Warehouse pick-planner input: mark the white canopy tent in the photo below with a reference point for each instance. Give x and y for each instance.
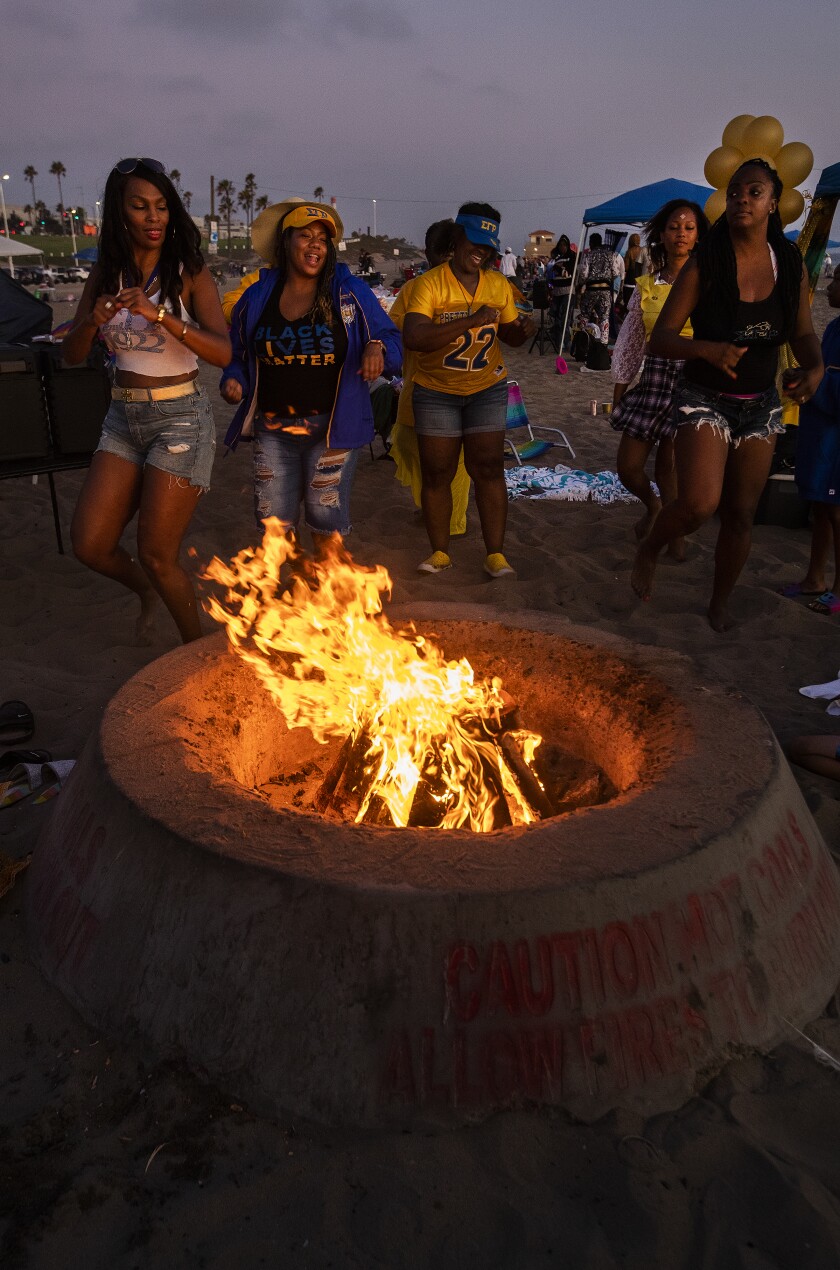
(16, 247)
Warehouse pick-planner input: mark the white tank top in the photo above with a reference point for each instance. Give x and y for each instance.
(145, 348)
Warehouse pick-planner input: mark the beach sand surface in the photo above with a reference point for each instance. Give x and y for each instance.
(110, 1159)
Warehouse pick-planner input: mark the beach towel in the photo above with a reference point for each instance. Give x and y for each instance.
(570, 484)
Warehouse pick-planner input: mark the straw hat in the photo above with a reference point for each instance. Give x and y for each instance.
(264, 228)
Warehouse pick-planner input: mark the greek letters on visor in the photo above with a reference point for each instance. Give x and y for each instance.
(480, 230)
(310, 214)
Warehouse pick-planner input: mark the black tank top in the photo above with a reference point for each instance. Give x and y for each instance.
(758, 325)
(299, 362)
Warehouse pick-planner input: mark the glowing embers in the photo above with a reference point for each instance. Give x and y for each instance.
(411, 738)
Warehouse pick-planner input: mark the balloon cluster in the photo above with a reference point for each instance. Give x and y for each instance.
(750, 137)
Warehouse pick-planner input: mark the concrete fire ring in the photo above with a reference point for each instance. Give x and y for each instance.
(616, 956)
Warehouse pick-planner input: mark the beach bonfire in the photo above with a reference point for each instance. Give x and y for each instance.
(409, 738)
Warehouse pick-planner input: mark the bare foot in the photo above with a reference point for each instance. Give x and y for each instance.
(720, 619)
(676, 549)
(644, 567)
(145, 625)
(643, 527)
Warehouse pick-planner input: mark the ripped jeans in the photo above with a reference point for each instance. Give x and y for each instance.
(176, 436)
(292, 466)
(735, 418)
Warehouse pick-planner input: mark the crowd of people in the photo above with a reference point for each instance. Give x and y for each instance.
(705, 309)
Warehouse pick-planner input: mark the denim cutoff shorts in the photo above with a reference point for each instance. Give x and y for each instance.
(736, 418)
(177, 436)
(447, 414)
(292, 467)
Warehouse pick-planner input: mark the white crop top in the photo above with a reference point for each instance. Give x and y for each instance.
(146, 348)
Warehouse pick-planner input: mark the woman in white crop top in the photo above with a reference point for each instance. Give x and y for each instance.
(151, 299)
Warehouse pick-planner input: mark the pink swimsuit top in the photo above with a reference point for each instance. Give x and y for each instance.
(145, 348)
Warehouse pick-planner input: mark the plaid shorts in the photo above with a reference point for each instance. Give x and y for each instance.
(645, 411)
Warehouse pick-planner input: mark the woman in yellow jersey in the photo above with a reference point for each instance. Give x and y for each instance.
(458, 312)
(643, 415)
(404, 450)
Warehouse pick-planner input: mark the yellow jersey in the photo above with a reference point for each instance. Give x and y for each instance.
(652, 295)
(473, 361)
(397, 312)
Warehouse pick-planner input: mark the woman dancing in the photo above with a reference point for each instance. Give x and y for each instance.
(457, 314)
(152, 300)
(643, 415)
(746, 294)
(308, 337)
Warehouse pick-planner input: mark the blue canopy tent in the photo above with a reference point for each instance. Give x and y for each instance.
(636, 207)
(89, 255)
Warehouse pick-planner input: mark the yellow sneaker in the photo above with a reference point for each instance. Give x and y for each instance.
(436, 563)
(498, 567)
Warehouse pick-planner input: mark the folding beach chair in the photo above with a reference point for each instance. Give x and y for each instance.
(517, 418)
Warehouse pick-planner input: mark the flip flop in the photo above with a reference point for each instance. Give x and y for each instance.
(16, 721)
(43, 779)
(828, 603)
(13, 757)
(793, 589)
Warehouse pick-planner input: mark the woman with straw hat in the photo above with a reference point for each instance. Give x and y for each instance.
(308, 338)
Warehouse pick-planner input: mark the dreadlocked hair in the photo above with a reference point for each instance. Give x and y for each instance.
(181, 245)
(322, 306)
(718, 268)
(656, 226)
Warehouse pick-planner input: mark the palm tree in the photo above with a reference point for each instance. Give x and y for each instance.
(225, 191)
(29, 213)
(58, 170)
(318, 192)
(245, 198)
(30, 174)
(186, 199)
(175, 178)
(261, 203)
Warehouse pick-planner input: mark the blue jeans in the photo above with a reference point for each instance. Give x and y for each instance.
(176, 436)
(448, 414)
(291, 466)
(735, 418)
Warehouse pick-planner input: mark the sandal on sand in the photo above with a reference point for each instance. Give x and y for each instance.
(43, 779)
(828, 603)
(792, 589)
(13, 757)
(16, 721)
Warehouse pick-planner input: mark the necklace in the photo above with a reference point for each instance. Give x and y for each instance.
(469, 298)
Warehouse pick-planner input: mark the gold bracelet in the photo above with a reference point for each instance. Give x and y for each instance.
(183, 334)
(161, 314)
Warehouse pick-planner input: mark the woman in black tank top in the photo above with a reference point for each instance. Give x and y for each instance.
(746, 294)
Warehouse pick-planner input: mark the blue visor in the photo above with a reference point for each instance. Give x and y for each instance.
(480, 230)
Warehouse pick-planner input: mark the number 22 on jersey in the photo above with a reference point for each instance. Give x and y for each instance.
(472, 350)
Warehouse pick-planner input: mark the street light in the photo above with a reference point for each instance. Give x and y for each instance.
(5, 221)
(374, 217)
(98, 215)
(73, 231)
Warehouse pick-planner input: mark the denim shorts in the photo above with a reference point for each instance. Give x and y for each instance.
(291, 468)
(447, 414)
(736, 418)
(176, 436)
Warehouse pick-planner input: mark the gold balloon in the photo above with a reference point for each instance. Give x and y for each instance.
(791, 206)
(793, 163)
(765, 135)
(734, 130)
(721, 163)
(715, 205)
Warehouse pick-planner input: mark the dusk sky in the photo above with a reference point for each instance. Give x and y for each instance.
(540, 108)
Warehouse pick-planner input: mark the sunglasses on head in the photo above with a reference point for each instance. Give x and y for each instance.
(126, 166)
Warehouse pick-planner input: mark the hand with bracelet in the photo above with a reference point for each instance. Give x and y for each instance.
(373, 361)
(137, 301)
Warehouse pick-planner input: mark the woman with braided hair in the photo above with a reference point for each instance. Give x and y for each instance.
(746, 294)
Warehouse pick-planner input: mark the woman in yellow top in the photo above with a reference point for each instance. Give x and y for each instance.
(643, 415)
(458, 312)
(404, 450)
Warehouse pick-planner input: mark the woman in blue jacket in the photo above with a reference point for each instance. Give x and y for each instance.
(307, 339)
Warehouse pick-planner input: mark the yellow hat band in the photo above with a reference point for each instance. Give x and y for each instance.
(310, 214)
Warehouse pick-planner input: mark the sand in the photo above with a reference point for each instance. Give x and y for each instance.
(110, 1159)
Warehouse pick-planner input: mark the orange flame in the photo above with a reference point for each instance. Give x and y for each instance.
(318, 639)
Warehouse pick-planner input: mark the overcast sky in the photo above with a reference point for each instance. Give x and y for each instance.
(539, 107)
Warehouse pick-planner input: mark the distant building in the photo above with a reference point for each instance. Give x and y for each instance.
(540, 243)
